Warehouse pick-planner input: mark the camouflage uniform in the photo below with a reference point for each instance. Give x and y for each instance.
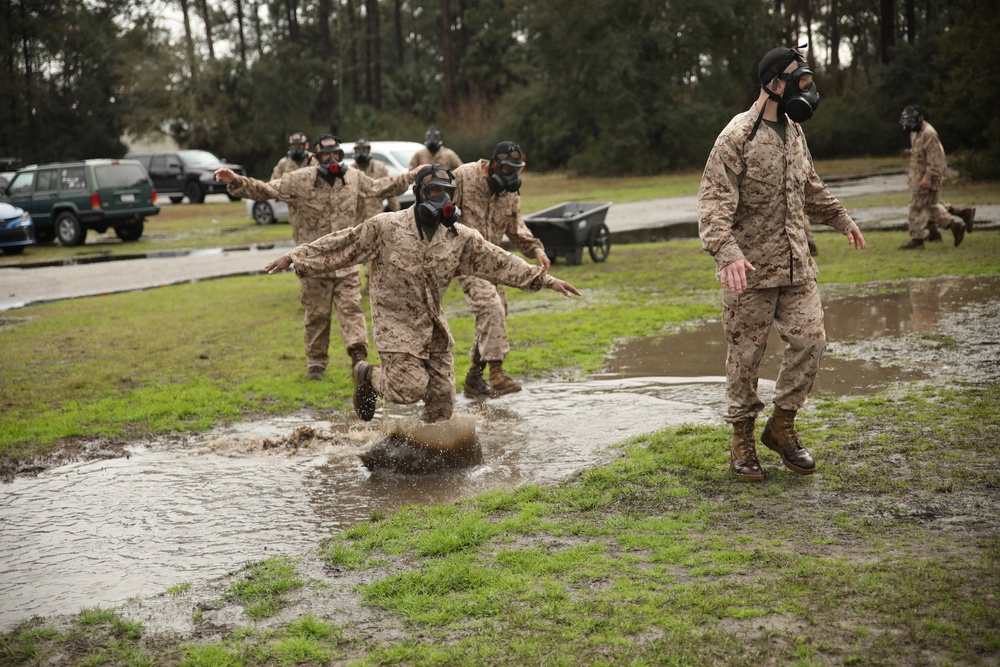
(493, 216)
(753, 204)
(409, 278)
(321, 208)
(373, 205)
(287, 164)
(926, 161)
(445, 157)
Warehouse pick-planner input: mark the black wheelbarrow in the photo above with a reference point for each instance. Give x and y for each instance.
(566, 228)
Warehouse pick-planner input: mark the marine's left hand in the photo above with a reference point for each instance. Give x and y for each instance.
(564, 288)
(278, 265)
(543, 259)
(855, 238)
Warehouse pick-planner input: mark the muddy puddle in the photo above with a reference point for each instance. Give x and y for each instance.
(97, 533)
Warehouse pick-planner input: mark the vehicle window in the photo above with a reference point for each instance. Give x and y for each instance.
(158, 163)
(404, 156)
(47, 180)
(120, 176)
(384, 159)
(73, 178)
(199, 158)
(143, 159)
(173, 162)
(22, 183)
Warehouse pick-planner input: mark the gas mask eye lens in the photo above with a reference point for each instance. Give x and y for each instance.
(805, 80)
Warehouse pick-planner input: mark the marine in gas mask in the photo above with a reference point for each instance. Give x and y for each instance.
(757, 195)
(434, 151)
(489, 192)
(297, 157)
(373, 169)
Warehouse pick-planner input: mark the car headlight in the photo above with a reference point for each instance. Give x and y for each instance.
(24, 220)
(207, 176)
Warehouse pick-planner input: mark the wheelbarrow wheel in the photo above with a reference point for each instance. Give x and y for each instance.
(600, 242)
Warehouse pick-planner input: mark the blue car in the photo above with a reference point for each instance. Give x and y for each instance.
(17, 229)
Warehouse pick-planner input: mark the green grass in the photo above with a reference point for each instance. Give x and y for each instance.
(263, 588)
(659, 558)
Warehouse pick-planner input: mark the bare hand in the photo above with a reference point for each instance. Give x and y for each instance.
(225, 175)
(543, 260)
(564, 288)
(278, 265)
(855, 238)
(925, 183)
(734, 275)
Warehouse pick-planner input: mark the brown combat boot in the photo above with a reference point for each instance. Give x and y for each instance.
(969, 216)
(315, 372)
(500, 382)
(357, 353)
(364, 392)
(475, 385)
(933, 235)
(813, 249)
(780, 435)
(917, 244)
(743, 453)
(958, 229)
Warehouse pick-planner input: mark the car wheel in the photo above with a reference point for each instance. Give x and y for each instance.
(233, 197)
(130, 232)
(263, 213)
(194, 193)
(176, 199)
(69, 230)
(14, 250)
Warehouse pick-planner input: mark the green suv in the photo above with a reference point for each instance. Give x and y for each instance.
(68, 198)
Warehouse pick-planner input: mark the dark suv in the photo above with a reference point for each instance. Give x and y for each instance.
(68, 198)
(188, 173)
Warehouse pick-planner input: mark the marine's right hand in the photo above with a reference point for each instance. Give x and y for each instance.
(734, 275)
(225, 175)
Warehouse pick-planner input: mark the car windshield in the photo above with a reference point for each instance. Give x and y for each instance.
(121, 176)
(199, 158)
(404, 155)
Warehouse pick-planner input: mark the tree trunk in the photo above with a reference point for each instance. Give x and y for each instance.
(463, 45)
(368, 52)
(909, 7)
(208, 28)
(375, 53)
(189, 40)
(835, 42)
(326, 53)
(242, 37)
(291, 11)
(887, 16)
(29, 82)
(352, 51)
(449, 60)
(399, 33)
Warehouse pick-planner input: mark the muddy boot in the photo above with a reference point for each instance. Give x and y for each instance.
(364, 392)
(933, 235)
(315, 372)
(969, 216)
(914, 244)
(475, 385)
(500, 382)
(357, 353)
(780, 435)
(958, 229)
(743, 453)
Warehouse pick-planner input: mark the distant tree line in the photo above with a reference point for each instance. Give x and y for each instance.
(593, 86)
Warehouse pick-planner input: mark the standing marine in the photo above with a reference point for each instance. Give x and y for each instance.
(434, 150)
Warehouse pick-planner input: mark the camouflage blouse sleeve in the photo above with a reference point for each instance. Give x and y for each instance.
(347, 247)
(718, 198)
(387, 186)
(483, 259)
(283, 188)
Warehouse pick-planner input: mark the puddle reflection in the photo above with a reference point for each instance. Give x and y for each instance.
(99, 532)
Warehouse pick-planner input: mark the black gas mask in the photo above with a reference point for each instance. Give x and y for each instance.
(362, 153)
(433, 140)
(331, 166)
(297, 147)
(911, 119)
(505, 168)
(800, 98)
(433, 204)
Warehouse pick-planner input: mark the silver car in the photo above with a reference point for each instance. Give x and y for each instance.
(396, 155)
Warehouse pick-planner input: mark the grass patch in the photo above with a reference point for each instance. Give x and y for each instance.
(263, 587)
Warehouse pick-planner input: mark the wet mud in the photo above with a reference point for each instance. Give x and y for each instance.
(134, 519)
